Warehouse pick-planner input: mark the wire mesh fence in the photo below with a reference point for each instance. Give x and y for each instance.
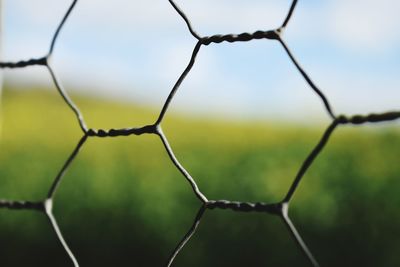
(280, 209)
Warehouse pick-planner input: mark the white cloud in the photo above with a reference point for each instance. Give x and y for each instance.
(221, 15)
(366, 25)
(354, 25)
(38, 12)
(227, 16)
(357, 93)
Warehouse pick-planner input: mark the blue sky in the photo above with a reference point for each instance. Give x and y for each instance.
(135, 50)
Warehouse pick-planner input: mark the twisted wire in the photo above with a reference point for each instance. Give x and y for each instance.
(280, 209)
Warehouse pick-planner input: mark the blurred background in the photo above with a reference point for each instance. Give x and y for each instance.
(242, 123)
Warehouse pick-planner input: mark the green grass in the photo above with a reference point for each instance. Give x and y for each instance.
(122, 202)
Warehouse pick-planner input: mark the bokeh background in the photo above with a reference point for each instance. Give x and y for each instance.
(242, 123)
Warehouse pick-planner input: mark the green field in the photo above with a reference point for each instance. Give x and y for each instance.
(123, 203)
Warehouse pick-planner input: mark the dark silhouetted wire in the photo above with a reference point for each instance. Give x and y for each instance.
(280, 209)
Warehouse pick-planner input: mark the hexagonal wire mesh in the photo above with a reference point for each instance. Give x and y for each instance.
(278, 209)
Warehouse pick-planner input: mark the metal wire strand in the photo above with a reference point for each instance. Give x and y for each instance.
(49, 212)
(289, 15)
(187, 236)
(185, 18)
(61, 25)
(24, 63)
(296, 236)
(67, 99)
(60, 175)
(179, 82)
(179, 166)
(21, 205)
(308, 79)
(309, 160)
(275, 209)
(43, 60)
